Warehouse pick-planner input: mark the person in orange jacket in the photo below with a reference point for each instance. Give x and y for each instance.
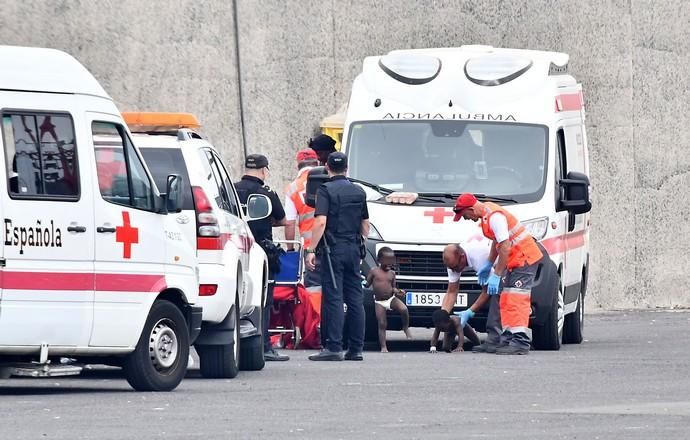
(510, 271)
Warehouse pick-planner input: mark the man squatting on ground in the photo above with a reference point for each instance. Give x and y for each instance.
(512, 265)
(472, 254)
(386, 295)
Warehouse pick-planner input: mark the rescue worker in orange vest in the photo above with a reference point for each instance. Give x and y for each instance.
(299, 215)
(509, 273)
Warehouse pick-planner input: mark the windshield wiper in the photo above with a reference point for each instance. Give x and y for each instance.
(386, 191)
(379, 189)
(482, 197)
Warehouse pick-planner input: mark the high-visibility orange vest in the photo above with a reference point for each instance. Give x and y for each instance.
(305, 214)
(524, 249)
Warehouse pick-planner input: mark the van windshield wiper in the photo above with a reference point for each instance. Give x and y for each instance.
(481, 197)
(380, 189)
(386, 191)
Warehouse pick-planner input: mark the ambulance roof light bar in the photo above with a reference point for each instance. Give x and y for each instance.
(495, 69)
(410, 68)
(157, 122)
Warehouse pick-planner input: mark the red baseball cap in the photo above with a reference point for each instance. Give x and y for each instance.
(463, 202)
(306, 154)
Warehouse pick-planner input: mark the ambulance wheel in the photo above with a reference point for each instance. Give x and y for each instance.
(252, 354)
(222, 361)
(159, 361)
(574, 323)
(548, 335)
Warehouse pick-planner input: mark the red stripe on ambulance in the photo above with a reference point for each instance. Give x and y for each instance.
(102, 282)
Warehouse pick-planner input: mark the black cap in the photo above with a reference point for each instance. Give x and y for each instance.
(256, 162)
(337, 162)
(322, 142)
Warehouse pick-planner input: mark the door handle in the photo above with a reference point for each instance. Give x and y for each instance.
(76, 228)
(104, 229)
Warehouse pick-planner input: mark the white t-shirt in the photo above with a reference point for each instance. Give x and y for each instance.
(499, 226)
(290, 209)
(477, 249)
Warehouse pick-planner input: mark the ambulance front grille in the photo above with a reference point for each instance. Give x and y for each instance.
(420, 263)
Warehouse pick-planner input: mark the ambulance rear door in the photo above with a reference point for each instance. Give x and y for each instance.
(130, 236)
(47, 212)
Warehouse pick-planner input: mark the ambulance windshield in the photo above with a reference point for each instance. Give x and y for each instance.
(494, 158)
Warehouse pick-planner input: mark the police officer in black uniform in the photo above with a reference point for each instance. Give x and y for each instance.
(341, 221)
(255, 173)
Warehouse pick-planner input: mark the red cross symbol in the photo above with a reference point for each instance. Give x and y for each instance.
(127, 235)
(439, 214)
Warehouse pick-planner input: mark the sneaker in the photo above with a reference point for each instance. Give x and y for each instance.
(273, 355)
(484, 347)
(354, 356)
(327, 355)
(512, 349)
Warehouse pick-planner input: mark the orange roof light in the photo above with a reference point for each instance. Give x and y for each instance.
(159, 121)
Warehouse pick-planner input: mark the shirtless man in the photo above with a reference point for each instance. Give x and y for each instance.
(386, 295)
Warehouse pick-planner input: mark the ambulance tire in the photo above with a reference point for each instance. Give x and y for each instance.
(222, 361)
(252, 354)
(547, 335)
(146, 372)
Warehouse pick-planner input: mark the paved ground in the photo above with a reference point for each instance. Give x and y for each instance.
(628, 380)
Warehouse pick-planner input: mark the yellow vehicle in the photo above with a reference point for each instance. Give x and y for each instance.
(333, 125)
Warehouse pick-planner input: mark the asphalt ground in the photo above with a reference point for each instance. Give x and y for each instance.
(628, 380)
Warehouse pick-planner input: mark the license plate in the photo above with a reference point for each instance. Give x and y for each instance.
(432, 299)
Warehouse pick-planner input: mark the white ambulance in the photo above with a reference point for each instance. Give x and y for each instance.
(92, 267)
(507, 125)
(233, 269)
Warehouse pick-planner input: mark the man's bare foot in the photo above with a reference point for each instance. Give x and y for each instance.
(408, 333)
(384, 350)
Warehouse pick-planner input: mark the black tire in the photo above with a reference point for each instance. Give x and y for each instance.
(574, 323)
(547, 336)
(252, 354)
(147, 369)
(222, 361)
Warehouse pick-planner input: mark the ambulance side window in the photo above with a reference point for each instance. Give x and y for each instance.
(122, 178)
(561, 169)
(233, 206)
(41, 156)
(224, 198)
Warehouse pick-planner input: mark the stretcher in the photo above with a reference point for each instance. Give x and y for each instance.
(295, 315)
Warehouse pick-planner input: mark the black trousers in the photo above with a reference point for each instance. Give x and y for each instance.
(348, 289)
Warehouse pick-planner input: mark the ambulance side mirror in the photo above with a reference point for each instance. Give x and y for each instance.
(173, 193)
(316, 177)
(575, 193)
(258, 207)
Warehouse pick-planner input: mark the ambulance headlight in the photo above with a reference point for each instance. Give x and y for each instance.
(494, 70)
(374, 233)
(537, 227)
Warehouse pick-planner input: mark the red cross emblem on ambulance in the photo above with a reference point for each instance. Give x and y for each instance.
(127, 235)
(438, 214)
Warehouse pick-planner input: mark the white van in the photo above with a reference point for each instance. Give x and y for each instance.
(92, 267)
(233, 269)
(507, 125)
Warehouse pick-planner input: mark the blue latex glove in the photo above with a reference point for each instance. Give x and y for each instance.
(494, 281)
(465, 316)
(483, 273)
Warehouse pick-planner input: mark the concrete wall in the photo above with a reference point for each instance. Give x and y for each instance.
(298, 58)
